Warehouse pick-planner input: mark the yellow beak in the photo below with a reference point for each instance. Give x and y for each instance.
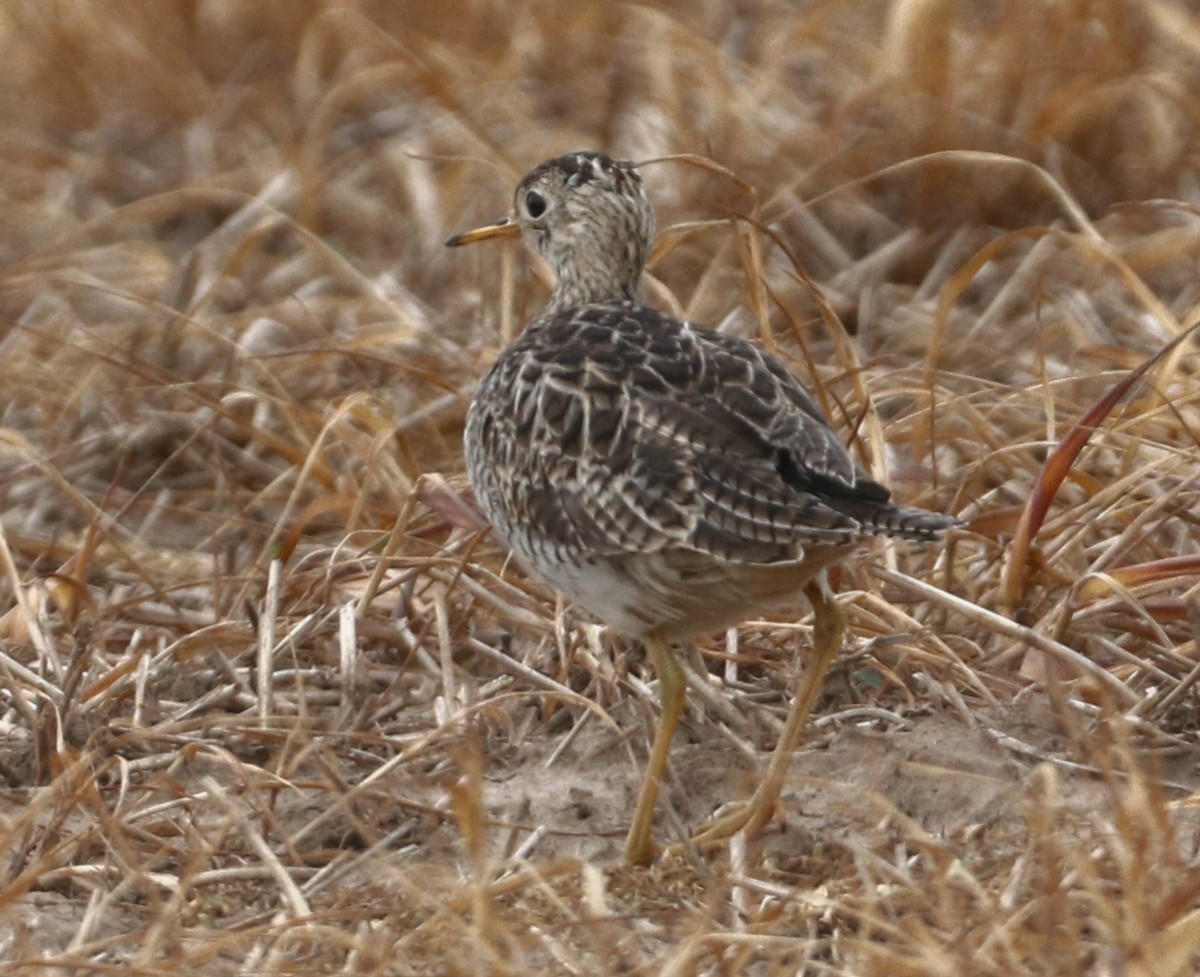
(504, 227)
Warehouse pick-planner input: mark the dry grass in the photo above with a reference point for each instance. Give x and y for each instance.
(271, 706)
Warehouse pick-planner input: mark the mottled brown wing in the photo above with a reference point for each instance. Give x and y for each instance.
(637, 433)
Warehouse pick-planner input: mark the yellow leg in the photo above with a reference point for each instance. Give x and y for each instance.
(829, 626)
(672, 689)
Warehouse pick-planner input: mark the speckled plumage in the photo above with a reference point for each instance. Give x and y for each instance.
(611, 440)
(672, 480)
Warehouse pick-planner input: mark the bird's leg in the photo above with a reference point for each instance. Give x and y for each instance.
(672, 689)
(829, 626)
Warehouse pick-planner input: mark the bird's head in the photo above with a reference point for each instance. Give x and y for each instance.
(588, 216)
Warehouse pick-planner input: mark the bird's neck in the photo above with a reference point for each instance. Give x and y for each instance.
(596, 270)
(571, 293)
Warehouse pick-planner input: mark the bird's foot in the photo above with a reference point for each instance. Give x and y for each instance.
(747, 818)
(640, 848)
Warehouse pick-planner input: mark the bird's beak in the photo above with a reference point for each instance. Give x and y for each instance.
(504, 227)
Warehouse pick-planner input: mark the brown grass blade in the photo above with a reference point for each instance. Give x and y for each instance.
(1058, 465)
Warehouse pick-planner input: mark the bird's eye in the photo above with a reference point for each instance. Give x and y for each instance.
(535, 204)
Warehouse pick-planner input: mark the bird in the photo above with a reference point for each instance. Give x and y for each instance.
(672, 480)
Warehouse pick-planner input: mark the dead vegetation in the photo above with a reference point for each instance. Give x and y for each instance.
(270, 705)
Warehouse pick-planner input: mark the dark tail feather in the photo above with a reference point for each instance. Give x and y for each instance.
(901, 521)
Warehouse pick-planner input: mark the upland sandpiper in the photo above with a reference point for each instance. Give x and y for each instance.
(672, 480)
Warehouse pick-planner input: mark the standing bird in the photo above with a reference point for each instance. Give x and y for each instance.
(671, 480)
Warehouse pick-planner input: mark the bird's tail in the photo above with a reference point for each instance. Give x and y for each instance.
(901, 521)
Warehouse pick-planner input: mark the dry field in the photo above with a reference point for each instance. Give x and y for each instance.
(270, 703)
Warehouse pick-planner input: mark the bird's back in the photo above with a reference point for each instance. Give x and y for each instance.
(612, 441)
